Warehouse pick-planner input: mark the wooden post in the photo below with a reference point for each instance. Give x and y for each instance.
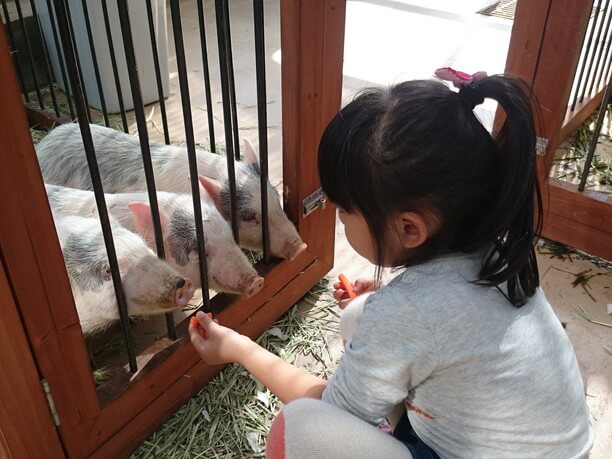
(312, 37)
(26, 428)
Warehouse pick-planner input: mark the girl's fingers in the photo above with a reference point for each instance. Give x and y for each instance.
(339, 294)
(195, 334)
(344, 303)
(205, 319)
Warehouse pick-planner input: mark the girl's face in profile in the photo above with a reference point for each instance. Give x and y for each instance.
(358, 234)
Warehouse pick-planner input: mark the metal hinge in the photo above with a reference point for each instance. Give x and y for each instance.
(541, 146)
(316, 200)
(50, 402)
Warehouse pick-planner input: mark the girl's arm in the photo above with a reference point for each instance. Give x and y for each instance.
(218, 345)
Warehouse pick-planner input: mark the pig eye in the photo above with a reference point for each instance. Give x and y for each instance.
(247, 215)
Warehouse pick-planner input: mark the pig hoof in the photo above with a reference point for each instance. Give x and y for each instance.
(253, 287)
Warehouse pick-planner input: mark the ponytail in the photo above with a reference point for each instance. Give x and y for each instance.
(519, 204)
(418, 146)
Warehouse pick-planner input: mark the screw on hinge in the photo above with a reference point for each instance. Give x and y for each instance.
(50, 401)
(316, 200)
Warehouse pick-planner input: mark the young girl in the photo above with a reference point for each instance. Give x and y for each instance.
(464, 338)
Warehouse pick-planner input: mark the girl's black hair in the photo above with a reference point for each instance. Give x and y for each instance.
(418, 146)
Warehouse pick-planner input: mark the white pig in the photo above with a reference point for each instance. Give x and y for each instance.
(229, 269)
(151, 286)
(62, 160)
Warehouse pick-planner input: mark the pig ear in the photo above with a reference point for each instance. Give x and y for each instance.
(211, 187)
(250, 155)
(143, 221)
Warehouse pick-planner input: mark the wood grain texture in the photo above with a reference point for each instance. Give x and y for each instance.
(565, 30)
(312, 37)
(34, 264)
(26, 428)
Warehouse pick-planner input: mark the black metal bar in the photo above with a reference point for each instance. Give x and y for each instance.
(77, 58)
(227, 114)
(594, 52)
(207, 91)
(593, 145)
(14, 51)
(26, 37)
(606, 59)
(94, 58)
(585, 55)
(262, 120)
(231, 79)
(111, 50)
(61, 61)
(79, 100)
(181, 65)
(143, 135)
(46, 56)
(158, 80)
(601, 47)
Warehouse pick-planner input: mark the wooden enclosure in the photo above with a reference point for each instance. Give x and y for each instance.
(545, 46)
(40, 329)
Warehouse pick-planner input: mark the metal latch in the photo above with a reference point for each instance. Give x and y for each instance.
(541, 146)
(50, 401)
(316, 200)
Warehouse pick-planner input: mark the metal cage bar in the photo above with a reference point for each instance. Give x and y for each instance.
(608, 21)
(14, 51)
(94, 58)
(158, 80)
(62, 62)
(70, 26)
(231, 80)
(177, 29)
(46, 57)
(594, 51)
(143, 135)
(593, 145)
(41, 102)
(79, 100)
(111, 49)
(206, 71)
(585, 56)
(262, 123)
(222, 20)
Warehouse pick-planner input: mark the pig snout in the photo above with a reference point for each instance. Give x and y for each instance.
(293, 249)
(184, 291)
(252, 285)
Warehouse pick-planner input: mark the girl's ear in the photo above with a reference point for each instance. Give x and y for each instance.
(413, 229)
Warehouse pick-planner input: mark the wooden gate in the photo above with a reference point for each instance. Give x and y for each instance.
(42, 339)
(546, 43)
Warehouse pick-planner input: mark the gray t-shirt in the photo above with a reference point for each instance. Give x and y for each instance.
(479, 377)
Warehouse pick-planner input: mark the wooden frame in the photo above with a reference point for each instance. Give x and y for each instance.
(545, 45)
(312, 41)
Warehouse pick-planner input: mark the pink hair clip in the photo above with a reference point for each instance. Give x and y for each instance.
(459, 79)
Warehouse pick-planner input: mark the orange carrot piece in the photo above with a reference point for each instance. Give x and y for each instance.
(348, 287)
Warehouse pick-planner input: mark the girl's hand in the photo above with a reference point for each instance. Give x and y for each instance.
(360, 286)
(215, 343)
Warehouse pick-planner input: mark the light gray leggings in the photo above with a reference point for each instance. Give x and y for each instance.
(313, 429)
